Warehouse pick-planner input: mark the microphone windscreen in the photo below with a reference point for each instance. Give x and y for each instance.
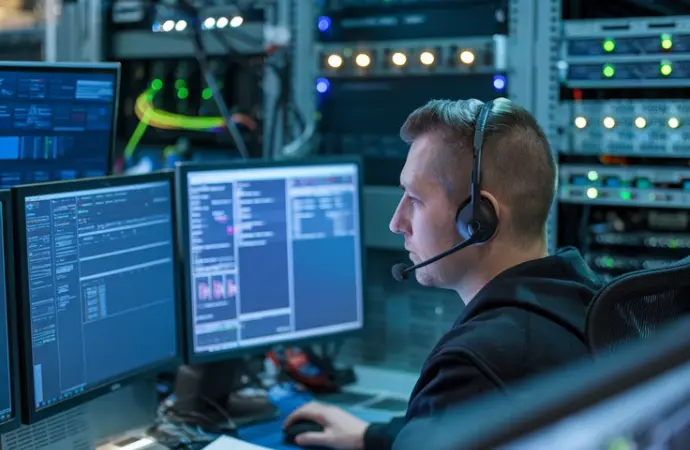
(398, 271)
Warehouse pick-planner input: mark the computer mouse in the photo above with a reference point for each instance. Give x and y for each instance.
(299, 427)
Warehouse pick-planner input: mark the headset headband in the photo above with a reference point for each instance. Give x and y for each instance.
(475, 180)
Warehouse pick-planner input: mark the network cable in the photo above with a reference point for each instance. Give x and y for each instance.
(149, 115)
(145, 110)
(283, 98)
(202, 60)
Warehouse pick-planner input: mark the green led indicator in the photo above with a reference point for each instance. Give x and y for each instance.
(608, 45)
(183, 93)
(157, 84)
(666, 41)
(206, 94)
(665, 69)
(179, 84)
(592, 193)
(592, 175)
(626, 195)
(608, 71)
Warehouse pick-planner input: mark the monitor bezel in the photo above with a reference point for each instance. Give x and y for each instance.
(108, 68)
(182, 170)
(11, 311)
(31, 415)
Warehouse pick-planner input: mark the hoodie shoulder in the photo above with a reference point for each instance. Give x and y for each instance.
(498, 334)
(527, 320)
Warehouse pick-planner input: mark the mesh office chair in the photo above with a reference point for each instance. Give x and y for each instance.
(636, 305)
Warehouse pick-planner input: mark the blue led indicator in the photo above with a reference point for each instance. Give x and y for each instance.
(499, 82)
(323, 23)
(322, 85)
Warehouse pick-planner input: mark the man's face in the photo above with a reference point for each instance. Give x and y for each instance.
(426, 216)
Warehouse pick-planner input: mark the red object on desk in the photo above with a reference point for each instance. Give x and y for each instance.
(306, 369)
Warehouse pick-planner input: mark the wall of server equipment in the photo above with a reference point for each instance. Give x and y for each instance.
(22, 35)
(623, 149)
(376, 63)
(164, 81)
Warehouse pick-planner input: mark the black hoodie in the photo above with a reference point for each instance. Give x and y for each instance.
(527, 320)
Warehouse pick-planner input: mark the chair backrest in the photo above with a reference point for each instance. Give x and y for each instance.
(636, 305)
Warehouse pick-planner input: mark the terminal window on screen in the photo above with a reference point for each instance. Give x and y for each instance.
(5, 386)
(54, 125)
(275, 255)
(101, 270)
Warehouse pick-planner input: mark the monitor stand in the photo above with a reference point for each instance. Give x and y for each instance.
(214, 392)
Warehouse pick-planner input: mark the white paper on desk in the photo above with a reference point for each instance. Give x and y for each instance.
(230, 443)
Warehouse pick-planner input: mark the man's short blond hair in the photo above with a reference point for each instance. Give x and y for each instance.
(518, 166)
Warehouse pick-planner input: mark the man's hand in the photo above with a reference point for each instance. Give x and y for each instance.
(341, 430)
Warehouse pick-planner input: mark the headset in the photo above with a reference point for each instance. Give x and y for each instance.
(476, 219)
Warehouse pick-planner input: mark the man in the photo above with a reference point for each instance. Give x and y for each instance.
(525, 310)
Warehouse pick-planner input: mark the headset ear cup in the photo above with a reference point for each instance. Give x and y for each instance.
(463, 218)
(488, 220)
(481, 228)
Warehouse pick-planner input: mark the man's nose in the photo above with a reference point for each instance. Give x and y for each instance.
(396, 224)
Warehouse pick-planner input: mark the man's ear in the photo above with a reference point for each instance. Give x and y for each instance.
(494, 202)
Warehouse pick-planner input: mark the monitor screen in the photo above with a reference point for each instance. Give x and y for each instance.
(57, 121)
(98, 283)
(7, 392)
(274, 254)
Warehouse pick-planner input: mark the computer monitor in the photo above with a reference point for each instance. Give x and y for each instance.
(57, 121)
(637, 397)
(272, 252)
(650, 416)
(98, 290)
(9, 345)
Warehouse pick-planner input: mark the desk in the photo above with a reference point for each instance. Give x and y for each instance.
(371, 380)
(375, 383)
